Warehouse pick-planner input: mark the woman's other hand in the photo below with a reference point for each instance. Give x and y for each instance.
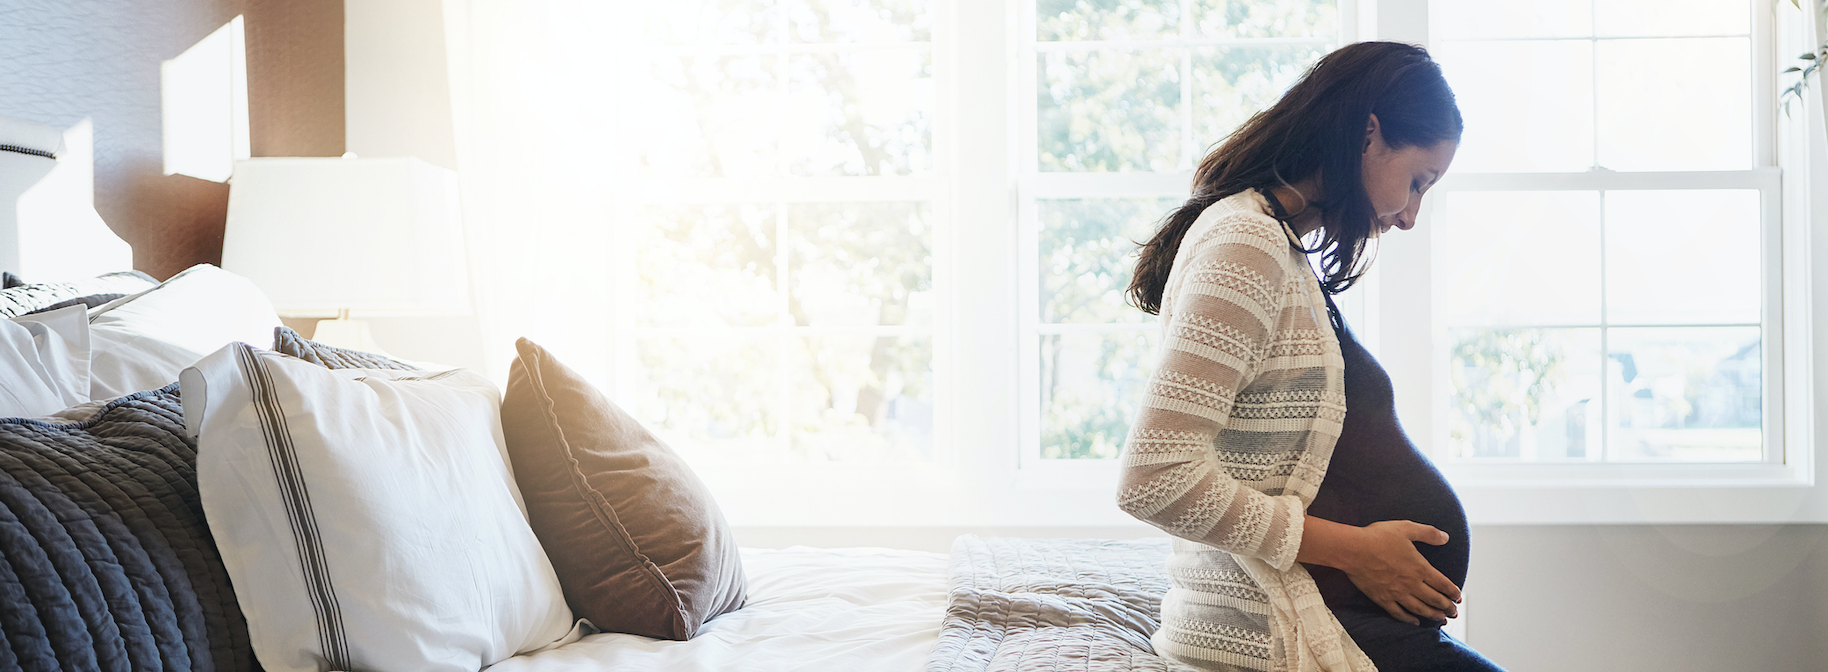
(1389, 570)
(1381, 560)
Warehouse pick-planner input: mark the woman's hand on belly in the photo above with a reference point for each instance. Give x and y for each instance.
(1381, 559)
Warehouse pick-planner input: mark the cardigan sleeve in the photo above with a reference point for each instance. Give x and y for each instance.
(1219, 329)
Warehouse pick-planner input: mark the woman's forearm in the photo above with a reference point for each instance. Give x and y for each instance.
(1329, 544)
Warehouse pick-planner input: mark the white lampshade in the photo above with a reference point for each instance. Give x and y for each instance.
(374, 236)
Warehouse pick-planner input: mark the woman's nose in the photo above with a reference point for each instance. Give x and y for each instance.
(1405, 220)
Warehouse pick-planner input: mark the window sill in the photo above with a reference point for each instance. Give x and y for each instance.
(1623, 475)
(1551, 494)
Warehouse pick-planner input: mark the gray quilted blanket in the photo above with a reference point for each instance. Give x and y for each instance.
(106, 562)
(1053, 605)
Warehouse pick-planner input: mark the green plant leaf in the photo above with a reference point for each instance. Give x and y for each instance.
(1808, 56)
(1793, 70)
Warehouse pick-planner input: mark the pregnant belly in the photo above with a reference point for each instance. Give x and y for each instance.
(1376, 474)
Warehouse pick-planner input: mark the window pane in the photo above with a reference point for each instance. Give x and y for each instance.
(710, 22)
(1091, 387)
(1470, 20)
(1530, 394)
(1231, 84)
(1502, 88)
(710, 396)
(1106, 19)
(1109, 111)
(860, 264)
(1682, 257)
(1670, 18)
(859, 113)
(1265, 18)
(862, 398)
(706, 266)
(707, 117)
(1087, 250)
(862, 21)
(1685, 394)
(1517, 258)
(1681, 104)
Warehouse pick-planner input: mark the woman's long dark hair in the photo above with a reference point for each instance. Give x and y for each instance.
(1318, 128)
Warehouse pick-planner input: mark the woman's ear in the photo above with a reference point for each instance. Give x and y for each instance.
(1371, 130)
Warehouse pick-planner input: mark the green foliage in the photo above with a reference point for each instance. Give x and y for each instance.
(1091, 387)
(1106, 111)
(1112, 108)
(738, 279)
(706, 266)
(1286, 18)
(1127, 108)
(1810, 62)
(1090, 383)
(1106, 19)
(878, 253)
(719, 391)
(1499, 377)
(1087, 248)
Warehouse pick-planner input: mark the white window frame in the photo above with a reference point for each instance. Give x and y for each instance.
(1617, 492)
(1395, 319)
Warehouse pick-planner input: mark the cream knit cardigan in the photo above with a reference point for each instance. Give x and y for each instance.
(1232, 442)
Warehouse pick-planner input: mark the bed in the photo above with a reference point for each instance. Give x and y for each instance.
(113, 507)
(139, 489)
(808, 609)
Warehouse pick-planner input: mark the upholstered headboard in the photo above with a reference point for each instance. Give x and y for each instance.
(48, 227)
(28, 152)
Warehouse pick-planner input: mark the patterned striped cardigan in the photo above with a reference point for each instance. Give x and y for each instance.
(1232, 442)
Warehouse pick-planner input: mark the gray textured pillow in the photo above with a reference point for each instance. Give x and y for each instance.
(27, 298)
(288, 342)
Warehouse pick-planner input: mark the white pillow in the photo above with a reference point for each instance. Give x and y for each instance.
(141, 342)
(366, 517)
(44, 362)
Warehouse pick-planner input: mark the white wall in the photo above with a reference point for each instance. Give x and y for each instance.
(1663, 598)
(397, 86)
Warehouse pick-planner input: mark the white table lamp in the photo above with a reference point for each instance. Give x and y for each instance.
(339, 235)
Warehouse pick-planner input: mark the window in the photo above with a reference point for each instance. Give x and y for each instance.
(776, 257)
(1634, 314)
(1127, 97)
(881, 245)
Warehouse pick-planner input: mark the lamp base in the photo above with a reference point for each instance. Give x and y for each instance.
(348, 334)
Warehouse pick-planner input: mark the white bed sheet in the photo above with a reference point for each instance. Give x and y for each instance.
(812, 609)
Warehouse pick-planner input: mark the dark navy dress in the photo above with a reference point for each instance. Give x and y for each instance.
(1376, 474)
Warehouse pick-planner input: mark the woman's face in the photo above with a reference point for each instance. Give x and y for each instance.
(1395, 179)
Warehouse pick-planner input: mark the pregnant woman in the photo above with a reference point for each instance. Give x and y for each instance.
(1267, 443)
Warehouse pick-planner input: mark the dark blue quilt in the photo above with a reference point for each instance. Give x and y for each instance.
(106, 562)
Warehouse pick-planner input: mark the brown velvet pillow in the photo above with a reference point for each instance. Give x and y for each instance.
(636, 539)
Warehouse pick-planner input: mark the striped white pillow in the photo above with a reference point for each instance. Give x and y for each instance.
(367, 517)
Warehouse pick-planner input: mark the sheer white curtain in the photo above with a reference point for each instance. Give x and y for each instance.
(532, 139)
